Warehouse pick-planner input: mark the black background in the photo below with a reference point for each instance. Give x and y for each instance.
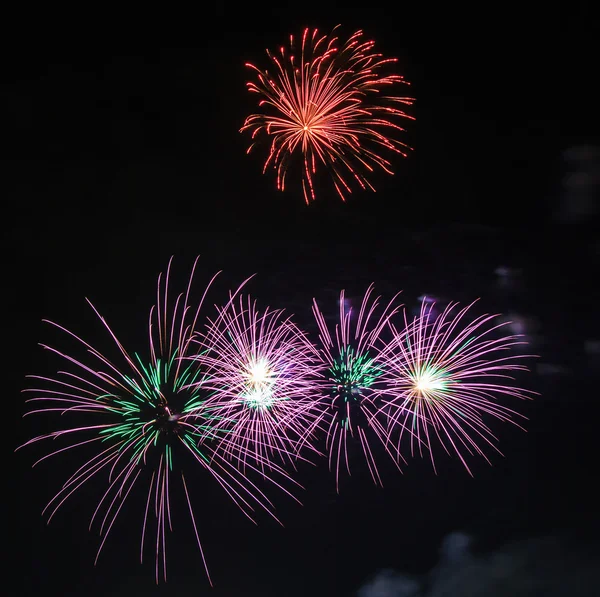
(126, 151)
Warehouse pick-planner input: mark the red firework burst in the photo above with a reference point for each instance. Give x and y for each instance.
(328, 104)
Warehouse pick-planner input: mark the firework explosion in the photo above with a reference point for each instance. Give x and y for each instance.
(244, 393)
(354, 356)
(443, 376)
(327, 103)
(142, 418)
(260, 372)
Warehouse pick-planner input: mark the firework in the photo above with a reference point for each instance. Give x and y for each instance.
(328, 104)
(260, 371)
(354, 356)
(445, 375)
(144, 418)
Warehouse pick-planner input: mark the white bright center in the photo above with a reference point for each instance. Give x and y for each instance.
(259, 374)
(428, 382)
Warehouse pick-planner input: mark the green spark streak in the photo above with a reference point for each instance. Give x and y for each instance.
(169, 456)
(193, 445)
(140, 428)
(352, 374)
(259, 399)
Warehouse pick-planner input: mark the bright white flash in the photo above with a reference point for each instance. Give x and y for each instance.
(259, 387)
(428, 381)
(259, 374)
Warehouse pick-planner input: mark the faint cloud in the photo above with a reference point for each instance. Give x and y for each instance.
(389, 583)
(546, 566)
(581, 183)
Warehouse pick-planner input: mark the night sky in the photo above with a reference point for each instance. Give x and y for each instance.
(124, 149)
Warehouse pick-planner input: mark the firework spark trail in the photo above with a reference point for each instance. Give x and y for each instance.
(354, 357)
(261, 395)
(140, 415)
(328, 106)
(443, 377)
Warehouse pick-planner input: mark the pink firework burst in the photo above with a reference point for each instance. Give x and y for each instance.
(445, 376)
(328, 104)
(354, 356)
(142, 422)
(259, 383)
